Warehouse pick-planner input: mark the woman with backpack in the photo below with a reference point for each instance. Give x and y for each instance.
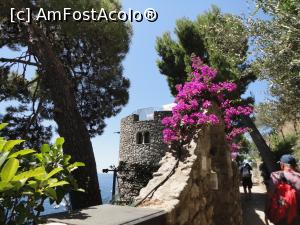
(283, 197)
(246, 177)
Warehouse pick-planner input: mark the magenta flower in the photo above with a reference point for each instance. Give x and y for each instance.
(206, 104)
(213, 119)
(194, 99)
(194, 104)
(169, 136)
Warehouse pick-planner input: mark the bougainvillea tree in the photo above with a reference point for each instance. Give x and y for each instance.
(192, 110)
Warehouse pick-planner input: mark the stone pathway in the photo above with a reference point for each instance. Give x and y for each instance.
(253, 209)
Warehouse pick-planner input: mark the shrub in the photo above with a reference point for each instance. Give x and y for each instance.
(192, 110)
(28, 177)
(284, 146)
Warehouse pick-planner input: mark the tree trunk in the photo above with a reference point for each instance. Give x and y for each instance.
(264, 150)
(70, 124)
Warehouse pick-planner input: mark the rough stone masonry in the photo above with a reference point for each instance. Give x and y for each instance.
(141, 149)
(200, 188)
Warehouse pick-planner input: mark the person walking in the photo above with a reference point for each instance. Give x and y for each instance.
(246, 176)
(283, 194)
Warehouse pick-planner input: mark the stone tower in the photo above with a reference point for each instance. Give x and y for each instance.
(141, 149)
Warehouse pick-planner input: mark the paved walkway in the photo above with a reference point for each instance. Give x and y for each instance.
(253, 209)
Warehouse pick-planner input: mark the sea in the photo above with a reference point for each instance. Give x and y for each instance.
(105, 181)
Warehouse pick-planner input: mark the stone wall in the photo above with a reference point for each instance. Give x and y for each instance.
(186, 194)
(199, 189)
(139, 160)
(227, 208)
(237, 213)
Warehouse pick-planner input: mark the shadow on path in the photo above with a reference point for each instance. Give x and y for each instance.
(253, 209)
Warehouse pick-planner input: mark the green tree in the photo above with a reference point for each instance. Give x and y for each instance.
(78, 81)
(277, 49)
(222, 42)
(219, 39)
(270, 116)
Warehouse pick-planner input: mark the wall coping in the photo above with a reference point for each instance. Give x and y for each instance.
(109, 215)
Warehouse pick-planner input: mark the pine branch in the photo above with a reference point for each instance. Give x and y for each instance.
(17, 60)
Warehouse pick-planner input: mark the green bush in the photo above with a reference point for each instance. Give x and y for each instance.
(284, 146)
(29, 177)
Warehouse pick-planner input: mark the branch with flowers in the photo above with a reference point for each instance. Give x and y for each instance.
(193, 101)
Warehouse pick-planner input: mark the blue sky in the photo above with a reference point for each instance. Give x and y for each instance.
(148, 87)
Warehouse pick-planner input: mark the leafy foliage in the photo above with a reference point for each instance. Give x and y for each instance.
(193, 109)
(276, 42)
(220, 40)
(29, 177)
(91, 53)
(268, 114)
(284, 146)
